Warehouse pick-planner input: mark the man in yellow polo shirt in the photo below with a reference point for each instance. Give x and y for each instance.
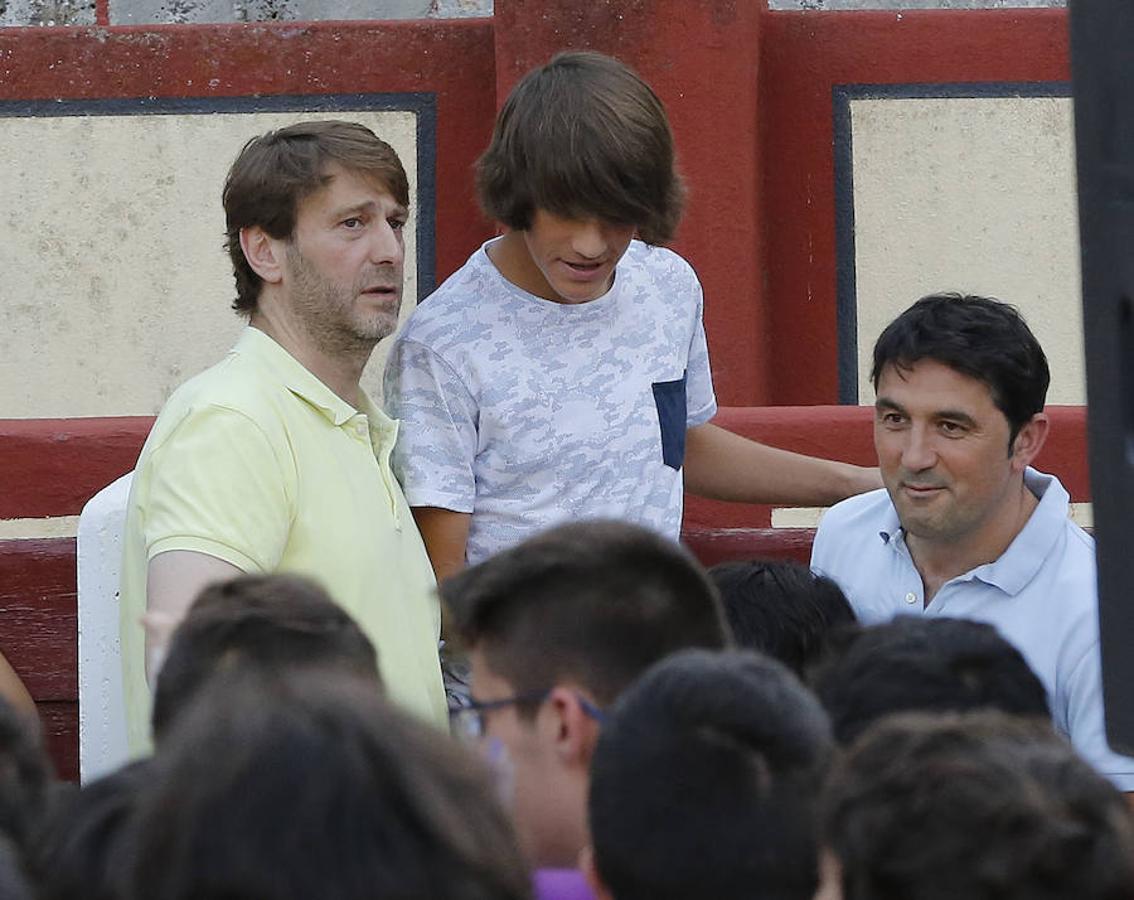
(275, 459)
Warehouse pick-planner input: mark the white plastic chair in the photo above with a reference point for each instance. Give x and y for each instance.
(102, 707)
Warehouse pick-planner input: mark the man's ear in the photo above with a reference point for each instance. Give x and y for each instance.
(1029, 441)
(576, 730)
(591, 874)
(264, 253)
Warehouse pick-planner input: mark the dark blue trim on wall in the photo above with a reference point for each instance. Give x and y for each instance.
(846, 288)
(423, 105)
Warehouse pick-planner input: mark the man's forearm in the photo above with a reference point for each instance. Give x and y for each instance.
(725, 466)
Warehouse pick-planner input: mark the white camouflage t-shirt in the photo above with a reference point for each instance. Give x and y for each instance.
(527, 413)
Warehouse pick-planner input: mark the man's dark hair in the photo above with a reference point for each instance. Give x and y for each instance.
(83, 851)
(983, 806)
(272, 623)
(931, 665)
(782, 608)
(979, 337)
(583, 137)
(595, 602)
(276, 171)
(704, 780)
(311, 785)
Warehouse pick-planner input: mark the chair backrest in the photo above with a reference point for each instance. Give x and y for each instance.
(102, 709)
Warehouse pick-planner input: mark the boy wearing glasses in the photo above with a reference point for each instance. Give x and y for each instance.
(556, 628)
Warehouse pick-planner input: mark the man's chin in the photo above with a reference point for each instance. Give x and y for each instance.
(375, 327)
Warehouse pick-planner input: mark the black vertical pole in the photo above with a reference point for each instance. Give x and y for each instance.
(1102, 64)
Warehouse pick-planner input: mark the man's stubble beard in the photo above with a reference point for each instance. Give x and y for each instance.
(329, 314)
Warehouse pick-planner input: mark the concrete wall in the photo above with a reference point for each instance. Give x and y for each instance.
(182, 12)
(117, 286)
(970, 194)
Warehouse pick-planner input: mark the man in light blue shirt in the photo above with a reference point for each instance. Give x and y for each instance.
(965, 527)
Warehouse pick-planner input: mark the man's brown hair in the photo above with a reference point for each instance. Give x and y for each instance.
(275, 171)
(583, 137)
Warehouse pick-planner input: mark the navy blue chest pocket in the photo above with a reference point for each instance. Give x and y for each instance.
(669, 397)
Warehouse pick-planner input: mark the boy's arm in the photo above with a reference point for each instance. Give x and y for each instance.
(446, 534)
(725, 466)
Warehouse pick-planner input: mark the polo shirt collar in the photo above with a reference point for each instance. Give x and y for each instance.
(298, 379)
(1018, 564)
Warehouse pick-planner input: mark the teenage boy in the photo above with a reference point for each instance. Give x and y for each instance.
(562, 372)
(556, 628)
(704, 783)
(980, 805)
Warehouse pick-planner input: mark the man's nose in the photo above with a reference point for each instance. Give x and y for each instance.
(386, 244)
(918, 453)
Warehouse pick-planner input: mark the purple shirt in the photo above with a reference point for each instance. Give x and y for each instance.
(561, 884)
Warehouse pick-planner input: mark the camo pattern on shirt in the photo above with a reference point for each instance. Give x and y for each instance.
(526, 412)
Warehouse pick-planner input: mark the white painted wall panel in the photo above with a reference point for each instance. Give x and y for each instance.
(116, 287)
(974, 195)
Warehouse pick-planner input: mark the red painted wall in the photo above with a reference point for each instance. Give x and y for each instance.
(804, 55)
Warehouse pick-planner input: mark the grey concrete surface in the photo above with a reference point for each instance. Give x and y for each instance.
(47, 12)
(181, 12)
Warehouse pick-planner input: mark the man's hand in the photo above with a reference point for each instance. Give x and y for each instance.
(446, 535)
(725, 466)
(173, 581)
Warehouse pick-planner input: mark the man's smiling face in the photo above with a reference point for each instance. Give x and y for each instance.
(943, 448)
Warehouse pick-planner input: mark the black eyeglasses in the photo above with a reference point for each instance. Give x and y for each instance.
(468, 722)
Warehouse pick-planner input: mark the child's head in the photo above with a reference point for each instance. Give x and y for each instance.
(268, 623)
(583, 137)
(780, 607)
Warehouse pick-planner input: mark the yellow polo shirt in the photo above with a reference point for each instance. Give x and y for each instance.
(258, 463)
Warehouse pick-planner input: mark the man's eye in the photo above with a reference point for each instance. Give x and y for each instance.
(352, 222)
(952, 428)
(397, 224)
(892, 418)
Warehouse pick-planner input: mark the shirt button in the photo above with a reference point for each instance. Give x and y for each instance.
(911, 598)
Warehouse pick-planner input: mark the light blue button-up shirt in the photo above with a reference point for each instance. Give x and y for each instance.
(1040, 594)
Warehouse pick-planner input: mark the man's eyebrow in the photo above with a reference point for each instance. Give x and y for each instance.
(886, 403)
(343, 212)
(370, 207)
(955, 415)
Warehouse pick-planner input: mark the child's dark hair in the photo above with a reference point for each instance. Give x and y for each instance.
(583, 137)
(926, 665)
(272, 623)
(782, 608)
(981, 806)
